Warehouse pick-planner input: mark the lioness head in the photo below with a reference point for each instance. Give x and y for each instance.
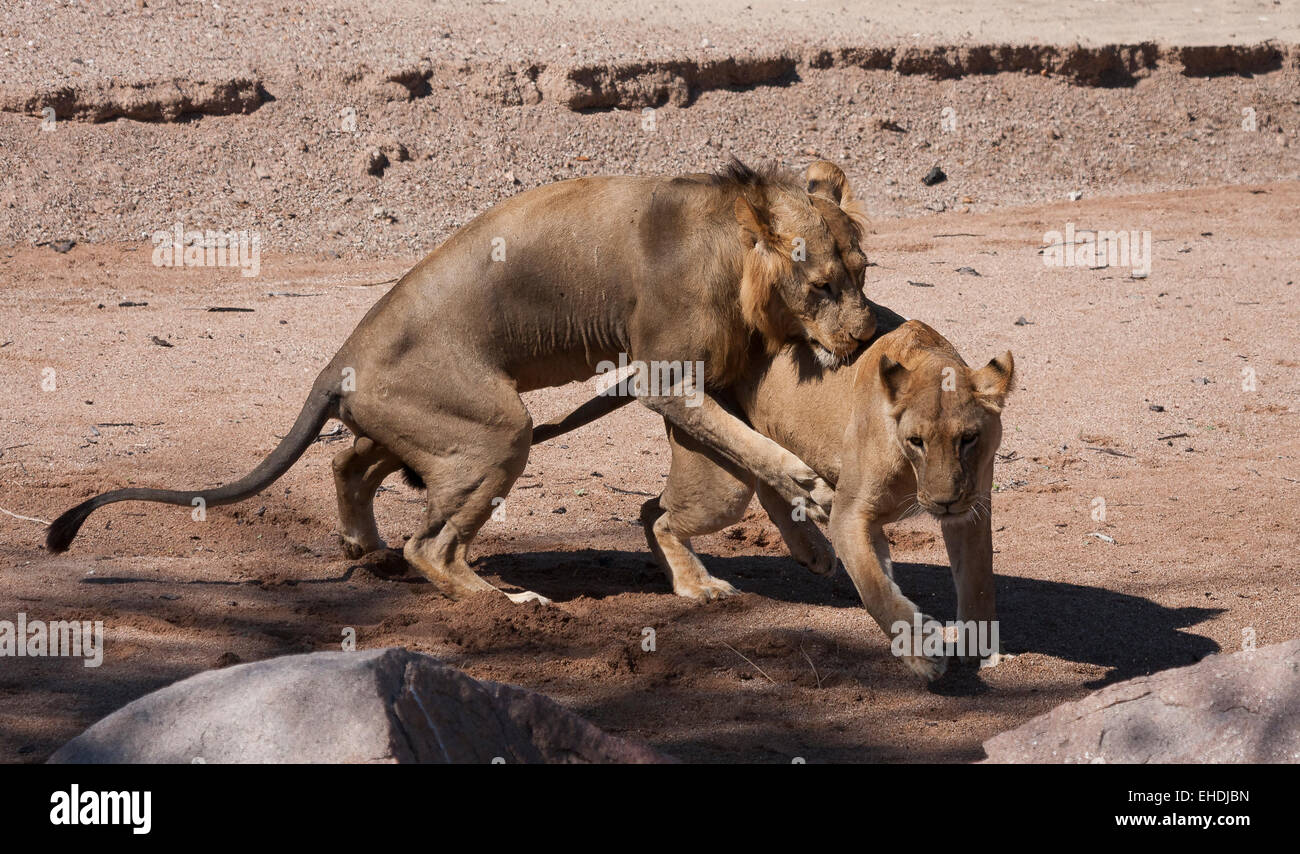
(947, 420)
(803, 274)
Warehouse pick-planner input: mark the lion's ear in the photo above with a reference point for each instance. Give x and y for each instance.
(892, 377)
(829, 181)
(753, 222)
(994, 381)
(826, 179)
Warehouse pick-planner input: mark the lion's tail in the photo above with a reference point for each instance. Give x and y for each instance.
(598, 407)
(321, 405)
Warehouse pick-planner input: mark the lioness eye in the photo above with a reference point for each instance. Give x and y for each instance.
(916, 441)
(817, 286)
(969, 438)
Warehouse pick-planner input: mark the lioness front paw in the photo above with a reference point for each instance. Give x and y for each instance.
(928, 667)
(705, 589)
(354, 548)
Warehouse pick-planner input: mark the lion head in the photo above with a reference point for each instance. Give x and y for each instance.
(804, 270)
(946, 419)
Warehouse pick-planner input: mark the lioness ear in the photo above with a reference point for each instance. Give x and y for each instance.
(892, 377)
(994, 380)
(826, 179)
(753, 222)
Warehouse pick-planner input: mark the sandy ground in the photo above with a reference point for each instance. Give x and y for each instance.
(353, 137)
(1204, 524)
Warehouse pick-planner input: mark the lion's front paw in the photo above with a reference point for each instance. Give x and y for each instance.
(822, 492)
(808, 494)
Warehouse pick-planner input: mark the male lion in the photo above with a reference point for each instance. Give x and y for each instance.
(907, 425)
(538, 291)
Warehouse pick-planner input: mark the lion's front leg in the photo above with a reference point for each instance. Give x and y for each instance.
(715, 427)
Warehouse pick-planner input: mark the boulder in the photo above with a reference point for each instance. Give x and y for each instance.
(385, 705)
(1238, 708)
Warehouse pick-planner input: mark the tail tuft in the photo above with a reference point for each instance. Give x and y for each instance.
(65, 528)
(412, 478)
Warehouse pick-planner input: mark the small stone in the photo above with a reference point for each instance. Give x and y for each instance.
(934, 176)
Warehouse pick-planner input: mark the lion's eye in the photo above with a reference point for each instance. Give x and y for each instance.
(969, 439)
(916, 441)
(818, 286)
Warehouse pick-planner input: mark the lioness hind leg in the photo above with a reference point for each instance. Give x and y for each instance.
(358, 472)
(806, 542)
(704, 493)
(464, 486)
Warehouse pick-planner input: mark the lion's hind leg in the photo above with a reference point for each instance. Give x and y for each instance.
(468, 458)
(358, 473)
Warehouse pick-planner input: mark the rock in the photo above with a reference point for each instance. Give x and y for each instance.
(1022, 321)
(1238, 708)
(372, 161)
(1075, 195)
(63, 246)
(934, 176)
(373, 706)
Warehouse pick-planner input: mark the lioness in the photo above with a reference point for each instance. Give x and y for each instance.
(538, 291)
(907, 425)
